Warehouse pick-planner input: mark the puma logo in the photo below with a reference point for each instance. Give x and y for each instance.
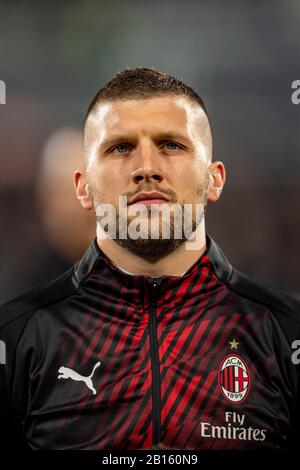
(67, 373)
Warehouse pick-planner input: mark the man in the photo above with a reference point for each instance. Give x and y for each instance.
(150, 341)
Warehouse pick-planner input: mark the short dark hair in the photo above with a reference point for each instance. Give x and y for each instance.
(142, 83)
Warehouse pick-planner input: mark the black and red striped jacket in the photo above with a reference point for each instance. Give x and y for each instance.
(101, 359)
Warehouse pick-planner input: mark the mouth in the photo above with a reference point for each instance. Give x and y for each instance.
(148, 198)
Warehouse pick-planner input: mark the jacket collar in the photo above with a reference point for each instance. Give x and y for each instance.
(95, 259)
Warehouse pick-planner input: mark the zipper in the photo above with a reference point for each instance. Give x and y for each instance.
(154, 352)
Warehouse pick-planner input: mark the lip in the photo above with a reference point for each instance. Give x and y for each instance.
(148, 196)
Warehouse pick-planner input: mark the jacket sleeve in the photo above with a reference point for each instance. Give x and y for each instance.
(11, 436)
(294, 437)
(290, 353)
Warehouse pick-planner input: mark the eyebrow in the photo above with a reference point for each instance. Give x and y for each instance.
(117, 139)
(164, 135)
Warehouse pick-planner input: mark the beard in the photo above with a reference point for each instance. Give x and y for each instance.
(179, 222)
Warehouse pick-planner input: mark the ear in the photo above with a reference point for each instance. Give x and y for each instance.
(82, 190)
(218, 178)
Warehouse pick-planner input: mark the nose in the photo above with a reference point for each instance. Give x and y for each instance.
(148, 169)
(147, 174)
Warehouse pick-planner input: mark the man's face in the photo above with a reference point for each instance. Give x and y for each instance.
(158, 144)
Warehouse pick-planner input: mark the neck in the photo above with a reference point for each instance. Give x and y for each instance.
(174, 264)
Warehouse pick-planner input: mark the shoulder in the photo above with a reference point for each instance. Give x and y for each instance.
(284, 306)
(15, 313)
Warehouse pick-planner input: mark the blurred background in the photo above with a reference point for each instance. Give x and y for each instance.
(242, 58)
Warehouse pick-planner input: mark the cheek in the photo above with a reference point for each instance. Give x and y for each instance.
(191, 182)
(198, 172)
(188, 177)
(112, 178)
(108, 182)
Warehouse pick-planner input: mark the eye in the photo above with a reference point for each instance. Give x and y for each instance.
(120, 148)
(171, 146)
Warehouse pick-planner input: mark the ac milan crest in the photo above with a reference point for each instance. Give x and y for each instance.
(234, 378)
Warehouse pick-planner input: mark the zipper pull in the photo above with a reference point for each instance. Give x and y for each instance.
(154, 282)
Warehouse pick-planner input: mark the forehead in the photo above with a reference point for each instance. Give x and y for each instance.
(146, 115)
